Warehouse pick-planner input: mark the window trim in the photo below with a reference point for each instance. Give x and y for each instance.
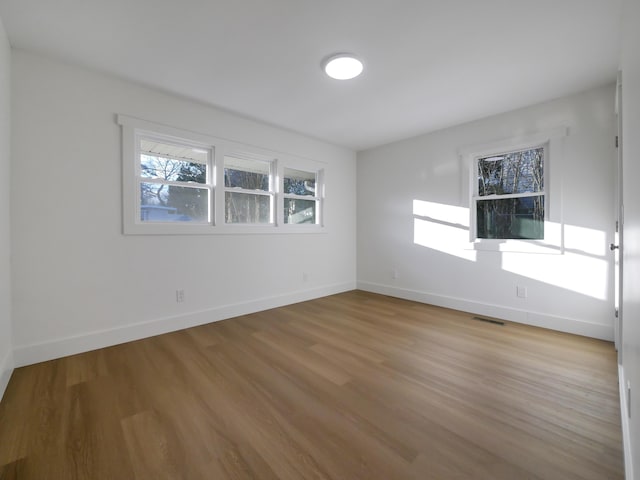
(131, 128)
(552, 141)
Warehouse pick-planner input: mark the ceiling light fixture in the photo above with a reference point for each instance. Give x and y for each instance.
(342, 66)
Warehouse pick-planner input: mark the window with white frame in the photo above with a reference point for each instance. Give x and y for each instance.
(180, 182)
(249, 190)
(174, 181)
(302, 199)
(513, 188)
(509, 196)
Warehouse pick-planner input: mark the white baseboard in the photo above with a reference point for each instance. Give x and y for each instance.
(626, 432)
(6, 369)
(62, 347)
(543, 320)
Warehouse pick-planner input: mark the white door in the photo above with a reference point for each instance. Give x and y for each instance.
(617, 246)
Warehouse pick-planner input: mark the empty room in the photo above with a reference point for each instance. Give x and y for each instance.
(340, 240)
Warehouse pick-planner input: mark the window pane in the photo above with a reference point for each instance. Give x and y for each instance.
(299, 211)
(247, 208)
(171, 169)
(297, 182)
(515, 172)
(173, 150)
(170, 203)
(512, 218)
(247, 174)
(174, 162)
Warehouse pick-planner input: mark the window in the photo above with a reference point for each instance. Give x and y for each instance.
(249, 191)
(510, 197)
(177, 182)
(301, 197)
(174, 181)
(514, 194)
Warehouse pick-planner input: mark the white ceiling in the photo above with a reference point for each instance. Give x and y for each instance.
(429, 64)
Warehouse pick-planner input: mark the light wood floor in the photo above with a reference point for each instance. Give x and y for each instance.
(352, 386)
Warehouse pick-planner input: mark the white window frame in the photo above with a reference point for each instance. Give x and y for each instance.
(132, 131)
(552, 141)
(318, 197)
(133, 128)
(476, 197)
(140, 179)
(271, 192)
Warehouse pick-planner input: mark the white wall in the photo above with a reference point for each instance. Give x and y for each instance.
(569, 292)
(79, 283)
(6, 357)
(630, 370)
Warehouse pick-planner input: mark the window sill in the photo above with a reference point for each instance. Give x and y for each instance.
(168, 229)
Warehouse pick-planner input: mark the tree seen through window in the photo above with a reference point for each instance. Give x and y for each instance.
(510, 199)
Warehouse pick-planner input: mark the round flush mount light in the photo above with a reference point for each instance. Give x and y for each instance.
(342, 66)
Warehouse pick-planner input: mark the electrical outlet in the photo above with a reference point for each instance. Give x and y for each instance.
(305, 276)
(179, 296)
(521, 291)
(394, 274)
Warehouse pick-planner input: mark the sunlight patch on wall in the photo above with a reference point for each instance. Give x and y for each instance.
(442, 227)
(586, 240)
(583, 268)
(571, 257)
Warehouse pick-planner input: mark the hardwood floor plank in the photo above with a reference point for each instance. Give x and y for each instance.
(85, 367)
(304, 357)
(259, 421)
(352, 386)
(308, 404)
(14, 470)
(151, 450)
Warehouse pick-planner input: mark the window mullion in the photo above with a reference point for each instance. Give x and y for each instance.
(300, 197)
(174, 183)
(248, 192)
(509, 195)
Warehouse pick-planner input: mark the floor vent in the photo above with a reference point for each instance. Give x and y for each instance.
(489, 320)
